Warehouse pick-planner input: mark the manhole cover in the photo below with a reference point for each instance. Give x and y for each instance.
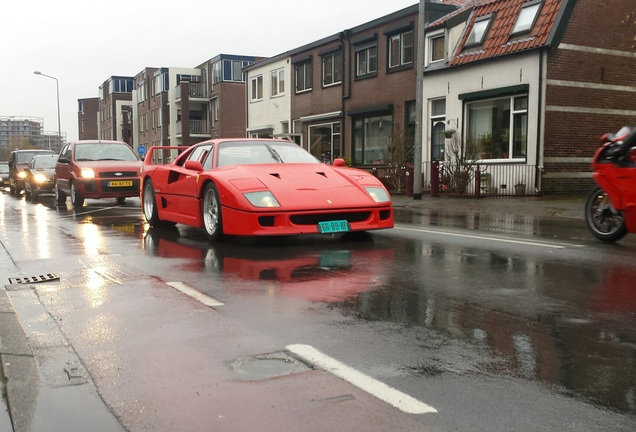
(34, 279)
(266, 366)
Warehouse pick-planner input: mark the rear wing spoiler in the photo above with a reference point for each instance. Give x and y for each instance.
(163, 155)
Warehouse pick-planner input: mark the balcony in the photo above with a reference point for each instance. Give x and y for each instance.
(197, 128)
(195, 91)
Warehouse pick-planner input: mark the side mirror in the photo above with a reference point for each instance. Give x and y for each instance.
(62, 159)
(339, 162)
(193, 165)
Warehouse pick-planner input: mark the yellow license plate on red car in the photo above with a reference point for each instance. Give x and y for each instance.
(121, 183)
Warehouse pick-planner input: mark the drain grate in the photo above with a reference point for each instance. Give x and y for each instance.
(34, 279)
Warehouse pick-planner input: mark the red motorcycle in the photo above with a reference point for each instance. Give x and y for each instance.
(610, 210)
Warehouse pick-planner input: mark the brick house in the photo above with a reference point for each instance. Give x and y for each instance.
(533, 84)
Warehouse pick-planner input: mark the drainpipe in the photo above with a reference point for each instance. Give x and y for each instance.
(539, 169)
(346, 87)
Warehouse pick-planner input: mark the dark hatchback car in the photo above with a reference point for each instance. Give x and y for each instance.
(96, 169)
(39, 178)
(18, 161)
(4, 175)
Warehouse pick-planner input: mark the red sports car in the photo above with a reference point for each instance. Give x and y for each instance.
(256, 187)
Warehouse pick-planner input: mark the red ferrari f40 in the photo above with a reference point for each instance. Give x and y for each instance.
(259, 187)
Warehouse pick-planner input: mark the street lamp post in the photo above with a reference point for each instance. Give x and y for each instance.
(57, 87)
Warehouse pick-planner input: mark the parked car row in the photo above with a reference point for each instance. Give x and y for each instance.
(236, 187)
(83, 169)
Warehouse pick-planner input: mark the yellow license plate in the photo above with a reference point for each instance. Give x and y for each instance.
(120, 183)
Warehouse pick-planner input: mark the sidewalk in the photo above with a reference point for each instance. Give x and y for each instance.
(552, 207)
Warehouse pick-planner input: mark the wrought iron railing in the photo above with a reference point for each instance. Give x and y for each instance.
(478, 179)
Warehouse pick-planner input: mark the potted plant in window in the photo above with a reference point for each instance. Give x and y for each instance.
(520, 186)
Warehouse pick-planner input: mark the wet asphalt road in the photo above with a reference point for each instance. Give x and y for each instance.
(498, 323)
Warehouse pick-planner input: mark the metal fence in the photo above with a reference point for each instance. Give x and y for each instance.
(478, 180)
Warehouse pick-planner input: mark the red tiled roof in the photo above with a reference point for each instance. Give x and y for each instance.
(498, 41)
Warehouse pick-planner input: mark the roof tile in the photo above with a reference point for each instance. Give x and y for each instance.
(499, 40)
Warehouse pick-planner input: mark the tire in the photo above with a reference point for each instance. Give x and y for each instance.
(149, 202)
(60, 197)
(121, 200)
(211, 213)
(602, 219)
(76, 198)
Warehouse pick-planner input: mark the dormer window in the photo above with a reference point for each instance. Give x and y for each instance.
(479, 30)
(437, 48)
(527, 17)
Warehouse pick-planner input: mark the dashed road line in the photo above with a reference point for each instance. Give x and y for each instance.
(197, 295)
(396, 398)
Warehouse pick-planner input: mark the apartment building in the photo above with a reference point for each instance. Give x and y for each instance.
(87, 110)
(17, 131)
(115, 109)
(183, 106)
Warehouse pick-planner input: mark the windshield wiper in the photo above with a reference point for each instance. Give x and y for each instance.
(274, 154)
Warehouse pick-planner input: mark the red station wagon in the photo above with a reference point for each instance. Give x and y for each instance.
(96, 169)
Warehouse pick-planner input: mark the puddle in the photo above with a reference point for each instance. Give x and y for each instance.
(266, 366)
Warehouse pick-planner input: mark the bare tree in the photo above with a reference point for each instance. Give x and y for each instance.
(399, 151)
(461, 159)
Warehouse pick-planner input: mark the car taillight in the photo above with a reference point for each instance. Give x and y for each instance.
(632, 155)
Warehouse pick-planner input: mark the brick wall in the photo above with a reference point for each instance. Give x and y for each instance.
(591, 89)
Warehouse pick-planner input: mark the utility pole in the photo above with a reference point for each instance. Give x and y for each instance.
(419, 106)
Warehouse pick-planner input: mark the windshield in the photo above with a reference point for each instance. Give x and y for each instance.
(4, 168)
(24, 157)
(104, 151)
(262, 152)
(44, 162)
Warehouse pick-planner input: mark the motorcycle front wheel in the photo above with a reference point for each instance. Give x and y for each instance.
(603, 220)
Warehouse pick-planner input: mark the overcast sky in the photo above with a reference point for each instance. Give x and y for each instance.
(84, 42)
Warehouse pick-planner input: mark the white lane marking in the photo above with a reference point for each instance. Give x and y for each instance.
(200, 297)
(396, 398)
(497, 239)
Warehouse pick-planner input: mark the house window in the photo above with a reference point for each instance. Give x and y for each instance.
(527, 17)
(256, 85)
(215, 110)
(401, 49)
(499, 127)
(216, 72)
(371, 138)
(332, 69)
(324, 141)
(478, 32)
(278, 82)
(366, 60)
(303, 77)
(438, 126)
(437, 48)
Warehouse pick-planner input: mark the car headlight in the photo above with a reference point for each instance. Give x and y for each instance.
(21, 174)
(40, 178)
(378, 194)
(261, 199)
(88, 173)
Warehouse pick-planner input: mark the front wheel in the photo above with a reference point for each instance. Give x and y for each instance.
(60, 197)
(211, 213)
(76, 198)
(150, 204)
(603, 220)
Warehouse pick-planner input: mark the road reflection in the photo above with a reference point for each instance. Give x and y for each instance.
(328, 271)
